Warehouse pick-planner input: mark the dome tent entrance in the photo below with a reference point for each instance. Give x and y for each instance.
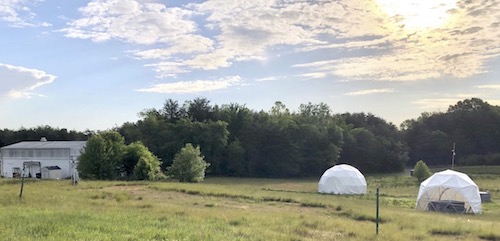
(449, 191)
(342, 179)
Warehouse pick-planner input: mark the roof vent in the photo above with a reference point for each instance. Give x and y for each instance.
(43, 138)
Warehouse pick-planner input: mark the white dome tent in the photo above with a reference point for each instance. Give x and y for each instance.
(449, 191)
(342, 179)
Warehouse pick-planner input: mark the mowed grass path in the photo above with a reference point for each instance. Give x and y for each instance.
(234, 209)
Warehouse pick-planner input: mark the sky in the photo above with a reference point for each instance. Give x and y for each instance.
(94, 65)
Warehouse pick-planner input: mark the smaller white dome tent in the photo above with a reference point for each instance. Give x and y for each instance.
(449, 191)
(342, 179)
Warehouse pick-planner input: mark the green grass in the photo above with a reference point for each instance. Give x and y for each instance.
(234, 209)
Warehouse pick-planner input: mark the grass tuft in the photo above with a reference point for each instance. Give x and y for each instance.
(361, 217)
(237, 222)
(278, 199)
(313, 225)
(313, 205)
(144, 206)
(447, 232)
(490, 237)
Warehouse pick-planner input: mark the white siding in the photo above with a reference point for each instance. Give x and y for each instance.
(65, 166)
(61, 154)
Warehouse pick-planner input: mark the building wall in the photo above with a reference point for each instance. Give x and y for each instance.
(9, 165)
(14, 158)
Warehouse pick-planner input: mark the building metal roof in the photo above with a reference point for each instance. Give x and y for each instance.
(47, 145)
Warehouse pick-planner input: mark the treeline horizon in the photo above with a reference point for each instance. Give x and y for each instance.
(237, 141)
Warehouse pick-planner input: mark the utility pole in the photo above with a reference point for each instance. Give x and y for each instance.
(453, 156)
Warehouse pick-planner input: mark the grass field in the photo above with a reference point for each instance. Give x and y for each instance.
(235, 209)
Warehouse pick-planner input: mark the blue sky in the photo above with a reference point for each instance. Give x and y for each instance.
(96, 64)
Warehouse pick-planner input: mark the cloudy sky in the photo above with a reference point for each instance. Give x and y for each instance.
(96, 64)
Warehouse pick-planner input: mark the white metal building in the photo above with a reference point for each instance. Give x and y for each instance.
(32, 156)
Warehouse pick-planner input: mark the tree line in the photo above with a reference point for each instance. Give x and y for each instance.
(238, 141)
(471, 125)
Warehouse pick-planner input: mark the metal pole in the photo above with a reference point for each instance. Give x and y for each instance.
(376, 215)
(453, 156)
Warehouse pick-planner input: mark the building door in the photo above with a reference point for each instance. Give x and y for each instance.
(16, 172)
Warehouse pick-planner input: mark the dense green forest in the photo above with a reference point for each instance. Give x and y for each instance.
(238, 141)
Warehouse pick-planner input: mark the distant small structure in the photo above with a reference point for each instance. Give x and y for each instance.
(449, 191)
(51, 172)
(485, 197)
(342, 179)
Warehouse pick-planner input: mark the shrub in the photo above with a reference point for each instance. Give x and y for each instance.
(421, 171)
(188, 165)
(148, 168)
(102, 156)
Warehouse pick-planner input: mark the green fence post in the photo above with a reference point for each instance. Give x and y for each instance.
(376, 215)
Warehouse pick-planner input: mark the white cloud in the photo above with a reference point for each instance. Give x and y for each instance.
(438, 104)
(185, 44)
(314, 75)
(18, 14)
(167, 69)
(269, 78)
(131, 21)
(493, 87)
(494, 102)
(244, 30)
(20, 82)
(460, 47)
(370, 91)
(165, 34)
(403, 44)
(196, 86)
(442, 104)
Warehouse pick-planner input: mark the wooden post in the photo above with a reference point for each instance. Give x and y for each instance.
(22, 183)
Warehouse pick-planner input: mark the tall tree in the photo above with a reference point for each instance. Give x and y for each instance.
(472, 124)
(372, 144)
(172, 111)
(199, 110)
(102, 156)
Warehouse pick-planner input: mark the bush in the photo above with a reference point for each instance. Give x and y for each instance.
(188, 165)
(102, 156)
(421, 171)
(148, 168)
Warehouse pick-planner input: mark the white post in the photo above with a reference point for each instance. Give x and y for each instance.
(74, 172)
(453, 156)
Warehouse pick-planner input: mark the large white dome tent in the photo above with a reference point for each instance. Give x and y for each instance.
(449, 191)
(342, 179)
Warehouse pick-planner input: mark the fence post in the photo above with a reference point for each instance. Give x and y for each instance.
(376, 215)
(22, 183)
